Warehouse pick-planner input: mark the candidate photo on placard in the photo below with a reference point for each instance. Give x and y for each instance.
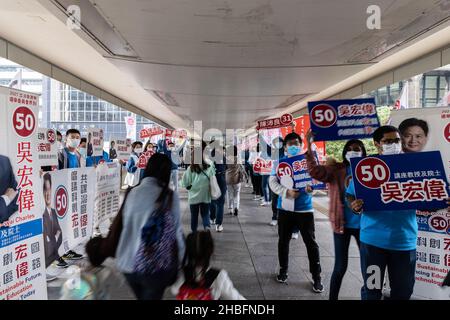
(51, 229)
(8, 189)
(414, 134)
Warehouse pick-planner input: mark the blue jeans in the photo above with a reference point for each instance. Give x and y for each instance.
(265, 188)
(401, 267)
(204, 212)
(217, 206)
(341, 245)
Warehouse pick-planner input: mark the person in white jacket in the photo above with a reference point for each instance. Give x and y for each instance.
(199, 281)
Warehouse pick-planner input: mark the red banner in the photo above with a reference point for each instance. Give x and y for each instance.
(283, 121)
(149, 132)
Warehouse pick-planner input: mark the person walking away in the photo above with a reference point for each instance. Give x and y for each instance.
(217, 206)
(257, 180)
(196, 180)
(234, 176)
(301, 217)
(199, 281)
(344, 222)
(134, 174)
(151, 245)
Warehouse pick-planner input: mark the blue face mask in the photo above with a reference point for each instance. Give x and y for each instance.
(293, 150)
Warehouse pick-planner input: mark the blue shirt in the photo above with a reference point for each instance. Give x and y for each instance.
(93, 161)
(302, 204)
(72, 160)
(391, 230)
(352, 220)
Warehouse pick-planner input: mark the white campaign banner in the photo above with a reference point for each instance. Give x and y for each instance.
(95, 142)
(22, 267)
(130, 123)
(433, 242)
(72, 204)
(47, 148)
(107, 192)
(123, 148)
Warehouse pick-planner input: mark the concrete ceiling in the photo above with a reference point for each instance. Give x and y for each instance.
(229, 63)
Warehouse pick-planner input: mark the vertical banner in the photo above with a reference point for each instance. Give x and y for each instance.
(107, 192)
(72, 204)
(433, 242)
(130, 123)
(95, 142)
(22, 268)
(47, 149)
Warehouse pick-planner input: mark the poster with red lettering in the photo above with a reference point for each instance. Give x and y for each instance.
(94, 144)
(22, 259)
(47, 148)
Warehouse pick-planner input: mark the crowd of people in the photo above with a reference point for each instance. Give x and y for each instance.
(153, 254)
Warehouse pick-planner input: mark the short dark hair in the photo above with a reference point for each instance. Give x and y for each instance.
(46, 177)
(381, 131)
(83, 140)
(58, 133)
(412, 122)
(292, 136)
(72, 131)
(347, 146)
(134, 144)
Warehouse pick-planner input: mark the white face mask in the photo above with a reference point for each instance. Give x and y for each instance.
(353, 154)
(393, 148)
(73, 143)
(60, 145)
(138, 150)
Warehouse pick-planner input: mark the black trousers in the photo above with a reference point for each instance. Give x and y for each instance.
(287, 222)
(257, 185)
(274, 205)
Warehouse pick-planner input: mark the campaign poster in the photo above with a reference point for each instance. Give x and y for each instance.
(94, 144)
(130, 123)
(122, 147)
(343, 119)
(47, 148)
(69, 213)
(107, 192)
(400, 182)
(293, 172)
(22, 265)
(433, 242)
(143, 159)
(263, 166)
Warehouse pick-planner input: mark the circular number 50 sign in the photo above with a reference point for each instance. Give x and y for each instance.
(323, 115)
(24, 121)
(372, 172)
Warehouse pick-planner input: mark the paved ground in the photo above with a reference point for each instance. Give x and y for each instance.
(247, 249)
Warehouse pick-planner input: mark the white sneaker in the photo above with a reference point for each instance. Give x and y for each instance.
(219, 228)
(255, 198)
(273, 223)
(50, 277)
(212, 222)
(295, 235)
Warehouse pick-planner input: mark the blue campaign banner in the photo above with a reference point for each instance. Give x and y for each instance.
(23, 231)
(400, 182)
(293, 173)
(343, 119)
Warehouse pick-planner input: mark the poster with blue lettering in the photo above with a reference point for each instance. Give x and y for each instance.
(343, 119)
(293, 173)
(400, 182)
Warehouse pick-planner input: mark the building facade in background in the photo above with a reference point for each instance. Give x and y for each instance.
(63, 107)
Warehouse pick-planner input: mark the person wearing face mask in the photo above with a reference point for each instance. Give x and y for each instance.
(82, 149)
(302, 217)
(134, 174)
(69, 157)
(388, 238)
(344, 222)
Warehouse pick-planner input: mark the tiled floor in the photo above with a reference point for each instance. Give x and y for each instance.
(247, 249)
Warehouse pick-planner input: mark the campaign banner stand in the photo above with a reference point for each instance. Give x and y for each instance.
(107, 192)
(433, 241)
(22, 267)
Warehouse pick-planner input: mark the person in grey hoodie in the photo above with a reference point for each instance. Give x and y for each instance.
(141, 202)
